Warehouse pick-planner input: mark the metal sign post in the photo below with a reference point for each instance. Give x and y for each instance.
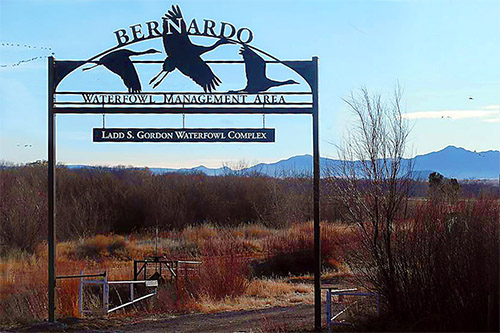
(185, 56)
(316, 180)
(51, 187)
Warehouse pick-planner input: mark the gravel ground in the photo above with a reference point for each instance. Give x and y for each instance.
(277, 319)
(272, 319)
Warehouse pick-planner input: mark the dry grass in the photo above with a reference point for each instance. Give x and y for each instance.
(224, 284)
(261, 293)
(23, 283)
(100, 246)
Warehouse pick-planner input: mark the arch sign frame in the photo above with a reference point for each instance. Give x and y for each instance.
(185, 56)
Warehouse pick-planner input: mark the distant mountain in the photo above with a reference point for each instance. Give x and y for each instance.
(455, 162)
(451, 162)
(300, 165)
(159, 171)
(203, 169)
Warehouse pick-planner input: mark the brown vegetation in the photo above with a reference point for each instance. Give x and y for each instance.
(434, 263)
(225, 281)
(434, 259)
(102, 200)
(445, 261)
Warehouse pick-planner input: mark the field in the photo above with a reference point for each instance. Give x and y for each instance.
(240, 271)
(434, 262)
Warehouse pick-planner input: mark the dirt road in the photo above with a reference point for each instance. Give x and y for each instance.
(277, 319)
(272, 319)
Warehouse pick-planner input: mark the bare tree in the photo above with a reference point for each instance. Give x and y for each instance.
(371, 184)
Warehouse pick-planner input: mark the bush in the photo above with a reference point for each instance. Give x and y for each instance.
(298, 262)
(222, 277)
(23, 208)
(446, 265)
(92, 201)
(291, 251)
(116, 244)
(219, 278)
(100, 246)
(175, 298)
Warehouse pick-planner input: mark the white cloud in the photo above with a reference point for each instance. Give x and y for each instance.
(492, 120)
(488, 113)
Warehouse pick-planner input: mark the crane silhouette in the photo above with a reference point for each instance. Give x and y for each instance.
(185, 56)
(255, 70)
(119, 63)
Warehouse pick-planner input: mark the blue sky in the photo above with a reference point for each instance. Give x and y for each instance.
(441, 53)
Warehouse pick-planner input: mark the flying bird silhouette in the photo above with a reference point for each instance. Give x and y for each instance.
(255, 70)
(119, 63)
(183, 55)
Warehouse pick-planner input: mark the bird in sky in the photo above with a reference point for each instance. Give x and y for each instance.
(119, 63)
(255, 70)
(185, 56)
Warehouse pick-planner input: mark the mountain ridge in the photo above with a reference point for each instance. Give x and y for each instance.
(451, 162)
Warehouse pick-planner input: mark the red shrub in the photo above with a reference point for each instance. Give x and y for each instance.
(222, 277)
(444, 265)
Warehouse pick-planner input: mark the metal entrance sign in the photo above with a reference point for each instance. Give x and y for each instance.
(74, 87)
(183, 135)
(193, 102)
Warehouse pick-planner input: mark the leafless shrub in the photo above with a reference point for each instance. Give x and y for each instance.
(371, 185)
(434, 263)
(92, 201)
(225, 276)
(23, 208)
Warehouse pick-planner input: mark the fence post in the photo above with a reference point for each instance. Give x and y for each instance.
(105, 294)
(131, 292)
(329, 309)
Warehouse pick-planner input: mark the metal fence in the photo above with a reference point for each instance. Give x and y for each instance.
(106, 307)
(333, 318)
